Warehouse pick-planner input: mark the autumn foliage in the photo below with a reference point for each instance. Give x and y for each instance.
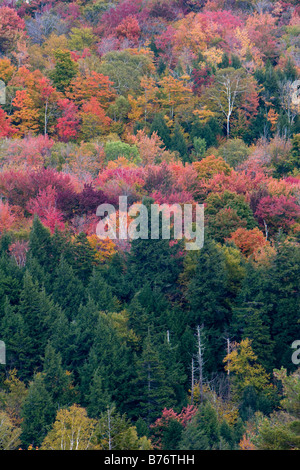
(171, 102)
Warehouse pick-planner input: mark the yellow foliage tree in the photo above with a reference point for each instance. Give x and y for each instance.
(210, 166)
(146, 102)
(242, 363)
(7, 69)
(72, 430)
(173, 93)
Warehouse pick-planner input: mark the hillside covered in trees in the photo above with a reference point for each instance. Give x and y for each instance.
(140, 344)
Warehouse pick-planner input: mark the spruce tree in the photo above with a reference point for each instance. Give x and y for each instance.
(154, 390)
(249, 324)
(15, 339)
(41, 247)
(98, 398)
(208, 299)
(11, 280)
(102, 293)
(67, 289)
(37, 311)
(203, 431)
(281, 291)
(178, 142)
(58, 382)
(155, 262)
(160, 127)
(82, 333)
(38, 413)
(82, 258)
(110, 355)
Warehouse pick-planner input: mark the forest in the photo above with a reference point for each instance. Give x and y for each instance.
(140, 344)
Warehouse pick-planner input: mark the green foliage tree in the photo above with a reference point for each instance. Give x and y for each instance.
(121, 66)
(64, 71)
(115, 432)
(81, 38)
(25, 327)
(234, 152)
(110, 356)
(99, 290)
(40, 245)
(203, 431)
(114, 150)
(67, 289)
(281, 431)
(155, 391)
(38, 413)
(160, 127)
(178, 142)
(58, 382)
(207, 295)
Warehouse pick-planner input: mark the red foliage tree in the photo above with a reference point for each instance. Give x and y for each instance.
(6, 129)
(68, 124)
(30, 152)
(11, 27)
(18, 186)
(129, 29)
(201, 79)
(7, 218)
(115, 15)
(274, 213)
(44, 205)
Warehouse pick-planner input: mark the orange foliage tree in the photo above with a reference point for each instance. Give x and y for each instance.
(248, 241)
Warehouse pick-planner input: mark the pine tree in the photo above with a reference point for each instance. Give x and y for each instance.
(111, 357)
(40, 245)
(101, 292)
(155, 262)
(67, 289)
(38, 413)
(249, 324)
(175, 374)
(138, 317)
(160, 127)
(38, 273)
(203, 431)
(60, 336)
(11, 280)
(280, 290)
(208, 299)
(14, 337)
(81, 335)
(37, 311)
(178, 142)
(148, 307)
(115, 275)
(58, 382)
(98, 398)
(151, 383)
(83, 258)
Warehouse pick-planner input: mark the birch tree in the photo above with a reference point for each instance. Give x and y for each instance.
(72, 430)
(223, 96)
